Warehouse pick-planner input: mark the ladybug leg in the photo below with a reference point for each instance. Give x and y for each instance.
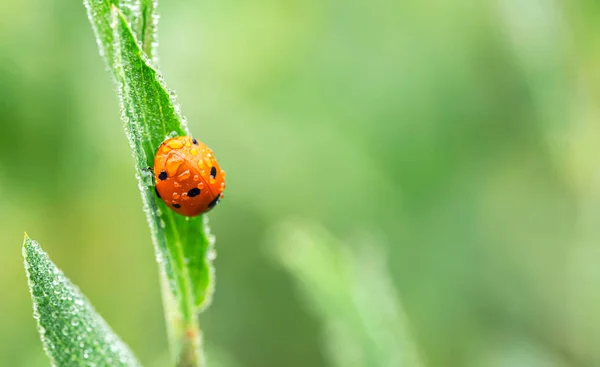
(151, 171)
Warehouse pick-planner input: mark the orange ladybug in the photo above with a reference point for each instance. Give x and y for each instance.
(187, 175)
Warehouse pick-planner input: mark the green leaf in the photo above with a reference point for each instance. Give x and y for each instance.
(143, 20)
(351, 291)
(98, 12)
(147, 28)
(141, 14)
(72, 332)
(150, 114)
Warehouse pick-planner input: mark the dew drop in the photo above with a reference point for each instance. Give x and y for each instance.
(211, 254)
(147, 178)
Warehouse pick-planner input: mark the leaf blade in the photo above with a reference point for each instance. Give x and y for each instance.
(98, 12)
(140, 14)
(148, 28)
(71, 331)
(151, 115)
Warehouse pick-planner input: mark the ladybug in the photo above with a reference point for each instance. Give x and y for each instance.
(187, 175)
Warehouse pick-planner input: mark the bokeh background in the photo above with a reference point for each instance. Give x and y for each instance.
(449, 147)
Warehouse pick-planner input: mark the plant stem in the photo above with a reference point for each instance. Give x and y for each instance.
(183, 331)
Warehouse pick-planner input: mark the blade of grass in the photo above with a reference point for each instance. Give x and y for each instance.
(184, 246)
(72, 333)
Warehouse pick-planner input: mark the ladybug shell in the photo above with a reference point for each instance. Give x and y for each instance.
(188, 177)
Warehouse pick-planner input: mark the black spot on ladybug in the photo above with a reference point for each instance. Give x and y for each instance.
(162, 175)
(156, 191)
(214, 202)
(213, 172)
(176, 206)
(195, 141)
(194, 192)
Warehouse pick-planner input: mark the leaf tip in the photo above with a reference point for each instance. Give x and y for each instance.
(31, 251)
(116, 16)
(117, 13)
(26, 244)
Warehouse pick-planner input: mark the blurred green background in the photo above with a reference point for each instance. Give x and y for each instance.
(461, 138)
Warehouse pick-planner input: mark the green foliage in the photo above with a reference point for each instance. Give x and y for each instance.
(150, 115)
(141, 16)
(351, 290)
(72, 332)
(183, 245)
